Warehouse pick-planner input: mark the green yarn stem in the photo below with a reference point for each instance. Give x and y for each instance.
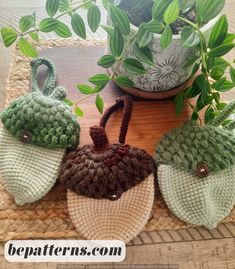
(51, 78)
(224, 115)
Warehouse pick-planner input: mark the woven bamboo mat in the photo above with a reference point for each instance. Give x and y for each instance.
(48, 218)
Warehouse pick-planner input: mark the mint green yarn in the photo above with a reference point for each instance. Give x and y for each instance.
(189, 145)
(44, 115)
(200, 197)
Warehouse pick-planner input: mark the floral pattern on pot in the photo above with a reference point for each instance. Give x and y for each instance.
(168, 70)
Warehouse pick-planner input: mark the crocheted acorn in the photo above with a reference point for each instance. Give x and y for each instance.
(110, 186)
(42, 118)
(37, 129)
(196, 170)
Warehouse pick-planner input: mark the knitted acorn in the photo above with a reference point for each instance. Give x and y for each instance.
(37, 128)
(110, 186)
(196, 170)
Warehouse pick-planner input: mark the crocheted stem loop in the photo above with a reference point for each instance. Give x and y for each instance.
(126, 103)
(51, 79)
(224, 115)
(99, 137)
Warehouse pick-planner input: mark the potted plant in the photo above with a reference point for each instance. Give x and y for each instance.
(203, 34)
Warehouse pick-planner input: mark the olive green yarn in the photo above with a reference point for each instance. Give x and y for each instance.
(44, 115)
(187, 146)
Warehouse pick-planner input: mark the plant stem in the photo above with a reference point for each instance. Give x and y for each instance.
(203, 53)
(130, 41)
(132, 38)
(61, 15)
(74, 9)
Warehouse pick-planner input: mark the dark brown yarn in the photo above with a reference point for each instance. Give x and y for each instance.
(202, 170)
(103, 170)
(99, 137)
(108, 174)
(126, 103)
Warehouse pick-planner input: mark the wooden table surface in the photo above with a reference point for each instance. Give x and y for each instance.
(150, 119)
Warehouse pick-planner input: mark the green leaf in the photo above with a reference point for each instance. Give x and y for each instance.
(116, 43)
(120, 19)
(78, 25)
(63, 30)
(34, 36)
(143, 54)
(220, 63)
(209, 115)
(68, 102)
(134, 66)
(191, 61)
(106, 61)
(123, 81)
(26, 48)
(64, 5)
(93, 18)
(171, 14)
(154, 26)
(218, 33)
(99, 79)
(52, 7)
(195, 69)
(179, 103)
(189, 37)
(221, 50)
(105, 3)
(229, 38)
(85, 89)
(217, 73)
(195, 90)
(79, 112)
(9, 36)
(232, 74)
(194, 116)
(166, 37)
(26, 22)
(48, 25)
(159, 8)
(185, 5)
(109, 29)
(144, 36)
(202, 103)
(223, 85)
(99, 103)
(209, 9)
(204, 87)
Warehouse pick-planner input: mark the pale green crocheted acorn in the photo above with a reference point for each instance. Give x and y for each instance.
(42, 118)
(196, 170)
(189, 145)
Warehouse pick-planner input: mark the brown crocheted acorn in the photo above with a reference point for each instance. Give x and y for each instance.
(103, 170)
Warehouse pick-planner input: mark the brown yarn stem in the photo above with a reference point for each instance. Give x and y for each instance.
(126, 103)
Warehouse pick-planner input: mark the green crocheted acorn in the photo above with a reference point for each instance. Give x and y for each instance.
(196, 170)
(42, 118)
(191, 145)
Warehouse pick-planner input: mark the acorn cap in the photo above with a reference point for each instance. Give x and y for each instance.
(42, 119)
(103, 170)
(199, 149)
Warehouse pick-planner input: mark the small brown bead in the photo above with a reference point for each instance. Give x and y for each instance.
(202, 170)
(114, 196)
(26, 136)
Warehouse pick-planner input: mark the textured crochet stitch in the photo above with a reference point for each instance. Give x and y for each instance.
(189, 145)
(42, 118)
(196, 170)
(103, 170)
